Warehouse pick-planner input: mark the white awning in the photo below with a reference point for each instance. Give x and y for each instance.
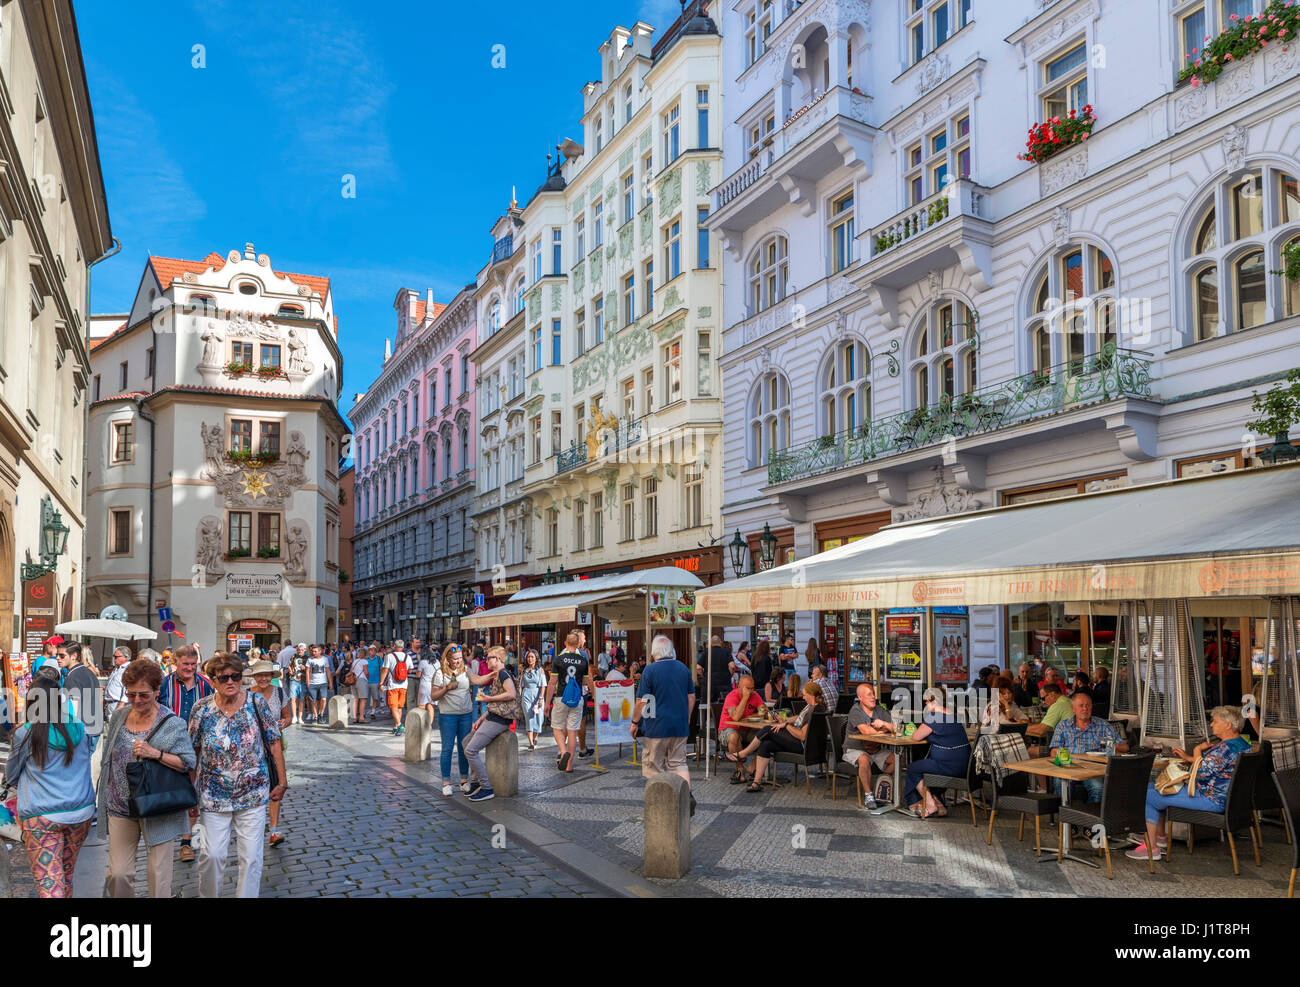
(1228, 536)
(621, 594)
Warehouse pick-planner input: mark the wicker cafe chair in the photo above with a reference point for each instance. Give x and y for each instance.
(1012, 794)
(841, 768)
(1287, 783)
(1237, 814)
(1123, 804)
(968, 783)
(814, 751)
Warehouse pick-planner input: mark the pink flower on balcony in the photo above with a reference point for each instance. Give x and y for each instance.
(1234, 17)
(1195, 82)
(1084, 136)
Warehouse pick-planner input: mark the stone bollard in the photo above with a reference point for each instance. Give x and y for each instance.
(418, 735)
(338, 712)
(667, 826)
(502, 759)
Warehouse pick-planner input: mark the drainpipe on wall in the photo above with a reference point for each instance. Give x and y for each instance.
(153, 435)
(85, 424)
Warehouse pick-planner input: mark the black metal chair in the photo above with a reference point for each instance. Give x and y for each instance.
(1237, 814)
(841, 768)
(1267, 798)
(1019, 728)
(1013, 795)
(814, 751)
(1287, 783)
(1122, 807)
(968, 783)
(845, 703)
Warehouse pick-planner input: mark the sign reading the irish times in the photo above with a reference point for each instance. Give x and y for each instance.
(253, 587)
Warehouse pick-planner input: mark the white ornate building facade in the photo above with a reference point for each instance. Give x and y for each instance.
(53, 226)
(214, 450)
(919, 323)
(604, 422)
(414, 450)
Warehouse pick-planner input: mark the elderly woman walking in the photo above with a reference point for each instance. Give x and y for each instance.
(50, 762)
(143, 730)
(237, 741)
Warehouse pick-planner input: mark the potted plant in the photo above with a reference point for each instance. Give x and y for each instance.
(1290, 262)
(236, 367)
(1278, 409)
(343, 575)
(826, 441)
(237, 553)
(1277, 24)
(269, 552)
(1058, 133)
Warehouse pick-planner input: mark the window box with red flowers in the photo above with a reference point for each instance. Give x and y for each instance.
(1055, 135)
(246, 457)
(237, 553)
(236, 369)
(1278, 24)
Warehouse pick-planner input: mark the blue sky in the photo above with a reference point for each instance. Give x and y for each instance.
(294, 96)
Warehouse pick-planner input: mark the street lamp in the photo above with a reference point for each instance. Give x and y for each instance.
(54, 542)
(767, 547)
(738, 549)
(549, 578)
(561, 576)
(463, 598)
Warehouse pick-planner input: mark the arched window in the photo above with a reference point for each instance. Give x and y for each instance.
(431, 454)
(446, 453)
(518, 297)
(202, 303)
(494, 315)
(1238, 237)
(769, 273)
(769, 418)
(1291, 288)
(1072, 313)
(845, 391)
(943, 362)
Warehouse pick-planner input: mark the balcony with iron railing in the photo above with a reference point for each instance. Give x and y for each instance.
(626, 435)
(1110, 375)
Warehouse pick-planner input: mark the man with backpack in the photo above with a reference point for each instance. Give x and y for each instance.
(570, 672)
(397, 669)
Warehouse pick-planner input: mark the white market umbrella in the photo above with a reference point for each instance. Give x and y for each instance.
(99, 627)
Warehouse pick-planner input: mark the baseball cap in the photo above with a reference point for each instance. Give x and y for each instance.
(55, 640)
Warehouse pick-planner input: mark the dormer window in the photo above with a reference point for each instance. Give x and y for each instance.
(247, 288)
(293, 311)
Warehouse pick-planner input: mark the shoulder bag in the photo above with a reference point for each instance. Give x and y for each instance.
(153, 789)
(272, 773)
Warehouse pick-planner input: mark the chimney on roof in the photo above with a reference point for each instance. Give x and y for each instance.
(428, 304)
(388, 350)
(249, 252)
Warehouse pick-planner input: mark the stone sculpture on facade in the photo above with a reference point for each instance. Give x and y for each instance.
(208, 551)
(295, 566)
(251, 484)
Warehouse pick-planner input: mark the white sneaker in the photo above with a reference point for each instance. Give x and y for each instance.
(447, 789)
(465, 786)
(869, 801)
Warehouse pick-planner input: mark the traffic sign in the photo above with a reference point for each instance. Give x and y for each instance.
(165, 614)
(168, 626)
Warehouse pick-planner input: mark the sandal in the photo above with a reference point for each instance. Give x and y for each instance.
(733, 758)
(754, 787)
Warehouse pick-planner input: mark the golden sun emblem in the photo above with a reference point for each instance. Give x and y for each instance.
(255, 483)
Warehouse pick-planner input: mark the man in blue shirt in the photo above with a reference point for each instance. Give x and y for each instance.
(374, 665)
(1082, 733)
(665, 700)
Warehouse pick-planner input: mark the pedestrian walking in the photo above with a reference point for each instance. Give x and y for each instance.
(359, 674)
(397, 669)
(143, 730)
(502, 704)
(532, 686)
(374, 673)
(451, 692)
(665, 700)
(320, 682)
(50, 764)
(570, 672)
(277, 699)
(237, 743)
(180, 692)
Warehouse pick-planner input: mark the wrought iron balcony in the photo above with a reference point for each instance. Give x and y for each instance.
(627, 434)
(1112, 373)
(503, 248)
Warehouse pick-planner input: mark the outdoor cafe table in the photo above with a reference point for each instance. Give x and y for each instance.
(902, 743)
(1079, 770)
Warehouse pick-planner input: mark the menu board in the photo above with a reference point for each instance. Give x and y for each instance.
(670, 606)
(769, 629)
(17, 679)
(903, 647)
(614, 704)
(951, 648)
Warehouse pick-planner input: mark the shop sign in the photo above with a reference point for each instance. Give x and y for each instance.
(252, 625)
(39, 598)
(691, 564)
(506, 587)
(669, 606)
(251, 586)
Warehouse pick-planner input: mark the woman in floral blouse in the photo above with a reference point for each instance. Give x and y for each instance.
(1207, 786)
(236, 737)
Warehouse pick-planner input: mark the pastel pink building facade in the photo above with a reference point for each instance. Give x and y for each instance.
(414, 452)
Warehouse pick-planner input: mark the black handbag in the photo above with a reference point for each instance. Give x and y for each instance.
(153, 789)
(272, 775)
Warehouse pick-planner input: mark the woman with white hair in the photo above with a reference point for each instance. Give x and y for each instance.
(665, 698)
(1212, 764)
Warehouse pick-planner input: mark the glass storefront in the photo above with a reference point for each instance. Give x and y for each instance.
(1046, 632)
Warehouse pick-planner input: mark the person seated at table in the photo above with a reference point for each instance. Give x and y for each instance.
(1101, 693)
(1052, 677)
(950, 754)
(1058, 708)
(742, 702)
(867, 718)
(793, 684)
(787, 736)
(1026, 689)
(1080, 734)
(1212, 764)
(1006, 709)
(1081, 681)
(774, 690)
(829, 692)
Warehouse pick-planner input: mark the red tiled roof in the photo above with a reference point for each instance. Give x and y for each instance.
(97, 343)
(223, 392)
(168, 269)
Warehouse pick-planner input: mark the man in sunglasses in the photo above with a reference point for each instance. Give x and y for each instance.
(180, 692)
